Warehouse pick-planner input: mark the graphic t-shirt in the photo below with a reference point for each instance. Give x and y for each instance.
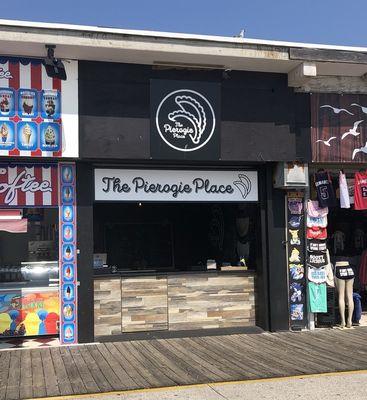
(343, 191)
(325, 190)
(317, 297)
(360, 191)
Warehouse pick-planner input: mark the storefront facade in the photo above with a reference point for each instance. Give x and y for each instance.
(39, 140)
(183, 226)
(338, 154)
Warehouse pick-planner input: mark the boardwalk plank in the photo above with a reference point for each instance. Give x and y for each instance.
(211, 371)
(152, 379)
(127, 365)
(227, 358)
(110, 375)
(230, 372)
(186, 363)
(39, 387)
(4, 372)
(75, 379)
(173, 371)
(12, 389)
(96, 372)
(123, 376)
(83, 369)
(52, 387)
(61, 374)
(140, 354)
(25, 384)
(325, 358)
(288, 355)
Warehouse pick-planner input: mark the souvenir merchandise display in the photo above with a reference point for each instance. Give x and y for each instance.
(296, 261)
(325, 190)
(319, 270)
(344, 237)
(360, 190)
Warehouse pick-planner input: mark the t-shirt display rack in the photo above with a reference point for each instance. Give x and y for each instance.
(350, 178)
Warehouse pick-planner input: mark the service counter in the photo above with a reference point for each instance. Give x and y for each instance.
(173, 301)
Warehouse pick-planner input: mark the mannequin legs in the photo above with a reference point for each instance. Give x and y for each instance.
(340, 284)
(350, 302)
(345, 293)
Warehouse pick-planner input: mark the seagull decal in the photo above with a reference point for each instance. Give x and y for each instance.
(243, 185)
(193, 112)
(364, 109)
(326, 142)
(353, 131)
(360, 150)
(337, 110)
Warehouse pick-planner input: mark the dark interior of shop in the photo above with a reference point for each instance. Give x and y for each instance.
(180, 236)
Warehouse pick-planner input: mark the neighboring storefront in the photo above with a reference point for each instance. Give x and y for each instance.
(184, 228)
(337, 234)
(38, 269)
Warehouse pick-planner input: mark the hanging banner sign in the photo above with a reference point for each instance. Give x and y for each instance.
(163, 185)
(28, 185)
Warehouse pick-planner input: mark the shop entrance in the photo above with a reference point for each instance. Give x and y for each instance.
(175, 266)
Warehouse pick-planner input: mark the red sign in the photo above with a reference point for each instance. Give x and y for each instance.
(28, 185)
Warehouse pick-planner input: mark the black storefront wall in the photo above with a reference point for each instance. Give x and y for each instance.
(260, 119)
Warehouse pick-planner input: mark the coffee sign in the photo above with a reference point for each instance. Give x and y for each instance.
(171, 185)
(28, 185)
(185, 119)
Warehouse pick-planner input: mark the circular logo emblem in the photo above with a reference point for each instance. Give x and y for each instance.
(185, 120)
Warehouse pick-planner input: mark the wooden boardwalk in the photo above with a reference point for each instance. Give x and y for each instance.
(151, 363)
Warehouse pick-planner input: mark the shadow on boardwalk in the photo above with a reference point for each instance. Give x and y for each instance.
(117, 366)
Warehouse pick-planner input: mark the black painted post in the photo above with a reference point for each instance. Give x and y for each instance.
(85, 190)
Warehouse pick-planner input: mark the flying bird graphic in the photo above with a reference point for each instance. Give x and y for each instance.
(192, 111)
(326, 142)
(336, 110)
(243, 185)
(360, 150)
(364, 109)
(353, 131)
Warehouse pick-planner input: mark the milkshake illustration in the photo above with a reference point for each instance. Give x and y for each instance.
(27, 100)
(6, 101)
(4, 132)
(26, 135)
(50, 136)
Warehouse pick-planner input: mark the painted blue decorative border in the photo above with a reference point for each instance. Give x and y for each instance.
(68, 255)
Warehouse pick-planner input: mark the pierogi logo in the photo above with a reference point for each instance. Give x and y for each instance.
(185, 120)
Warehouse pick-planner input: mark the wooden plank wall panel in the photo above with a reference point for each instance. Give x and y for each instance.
(144, 303)
(214, 300)
(107, 306)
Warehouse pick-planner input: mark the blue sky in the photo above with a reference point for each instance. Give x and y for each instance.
(316, 21)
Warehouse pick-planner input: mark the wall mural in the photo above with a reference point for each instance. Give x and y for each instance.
(339, 127)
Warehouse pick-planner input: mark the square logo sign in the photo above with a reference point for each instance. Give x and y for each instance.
(185, 120)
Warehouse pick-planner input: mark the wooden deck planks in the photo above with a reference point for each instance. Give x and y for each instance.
(126, 365)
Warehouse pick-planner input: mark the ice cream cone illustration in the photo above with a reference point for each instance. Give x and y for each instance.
(26, 134)
(4, 132)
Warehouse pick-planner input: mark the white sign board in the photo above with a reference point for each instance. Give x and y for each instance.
(171, 185)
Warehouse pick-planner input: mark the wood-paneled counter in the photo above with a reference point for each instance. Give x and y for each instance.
(174, 301)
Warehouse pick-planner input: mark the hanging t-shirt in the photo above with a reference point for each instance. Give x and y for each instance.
(325, 190)
(343, 191)
(360, 191)
(317, 275)
(317, 297)
(314, 245)
(317, 259)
